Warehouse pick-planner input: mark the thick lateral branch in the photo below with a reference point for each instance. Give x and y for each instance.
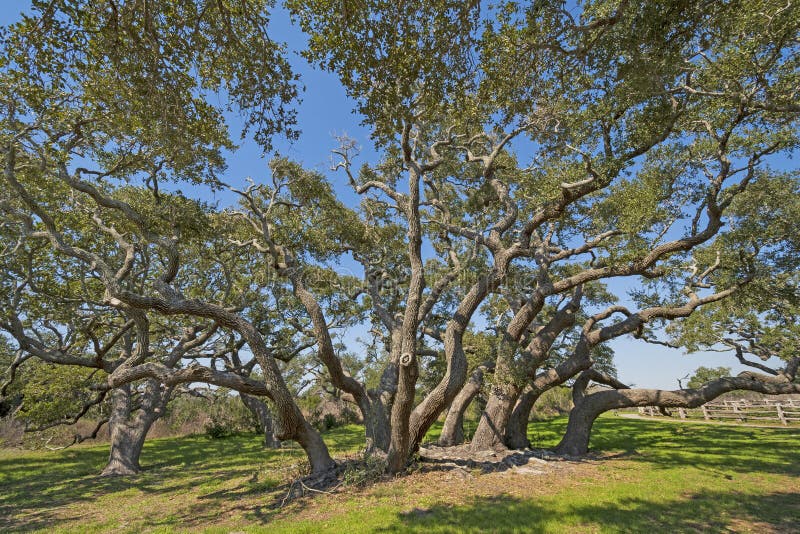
(589, 407)
(692, 398)
(193, 373)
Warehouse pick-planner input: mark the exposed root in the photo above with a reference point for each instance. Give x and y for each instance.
(348, 472)
(360, 471)
(119, 471)
(532, 461)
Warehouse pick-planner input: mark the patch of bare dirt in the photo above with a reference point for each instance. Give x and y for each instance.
(451, 476)
(526, 461)
(760, 527)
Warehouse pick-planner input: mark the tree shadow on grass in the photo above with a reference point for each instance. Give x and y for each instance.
(707, 511)
(37, 505)
(482, 514)
(35, 487)
(667, 445)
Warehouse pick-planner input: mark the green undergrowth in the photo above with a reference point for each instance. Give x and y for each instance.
(645, 476)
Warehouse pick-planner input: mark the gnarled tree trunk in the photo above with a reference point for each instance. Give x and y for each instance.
(491, 430)
(426, 413)
(517, 428)
(288, 419)
(512, 371)
(127, 441)
(260, 411)
(400, 442)
(128, 431)
(453, 429)
(575, 441)
(589, 407)
(376, 418)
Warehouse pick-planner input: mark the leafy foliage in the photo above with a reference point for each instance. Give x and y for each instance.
(703, 375)
(54, 393)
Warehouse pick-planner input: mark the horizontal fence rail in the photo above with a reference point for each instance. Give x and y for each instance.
(784, 411)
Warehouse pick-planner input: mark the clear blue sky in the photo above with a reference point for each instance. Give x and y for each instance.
(326, 111)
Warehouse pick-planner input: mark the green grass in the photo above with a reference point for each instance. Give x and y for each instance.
(655, 476)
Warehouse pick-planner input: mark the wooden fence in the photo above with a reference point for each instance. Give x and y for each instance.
(784, 411)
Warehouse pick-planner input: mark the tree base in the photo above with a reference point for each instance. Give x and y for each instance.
(119, 470)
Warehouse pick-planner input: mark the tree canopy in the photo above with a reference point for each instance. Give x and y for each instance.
(534, 158)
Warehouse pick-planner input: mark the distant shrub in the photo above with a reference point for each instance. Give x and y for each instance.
(218, 413)
(332, 413)
(329, 421)
(554, 402)
(216, 430)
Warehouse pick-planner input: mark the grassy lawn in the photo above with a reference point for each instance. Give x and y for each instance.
(652, 476)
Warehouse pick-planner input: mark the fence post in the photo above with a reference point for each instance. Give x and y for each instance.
(706, 415)
(781, 415)
(736, 410)
(682, 413)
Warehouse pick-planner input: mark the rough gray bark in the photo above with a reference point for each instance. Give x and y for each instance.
(127, 441)
(491, 431)
(400, 439)
(444, 393)
(588, 407)
(493, 425)
(260, 411)
(406, 353)
(453, 429)
(376, 420)
(128, 430)
(517, 428)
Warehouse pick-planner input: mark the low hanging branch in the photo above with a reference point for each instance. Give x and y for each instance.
(589, 407)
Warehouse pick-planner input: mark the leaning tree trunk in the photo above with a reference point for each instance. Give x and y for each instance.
(491, 431)
(127, 434)
(453, 429)
(444, 393)
(517, 429)
(575, 441)
(589, 407)
(377, 429)
(371, 404)
(511, 374)
(260, 411)
(289, 420)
